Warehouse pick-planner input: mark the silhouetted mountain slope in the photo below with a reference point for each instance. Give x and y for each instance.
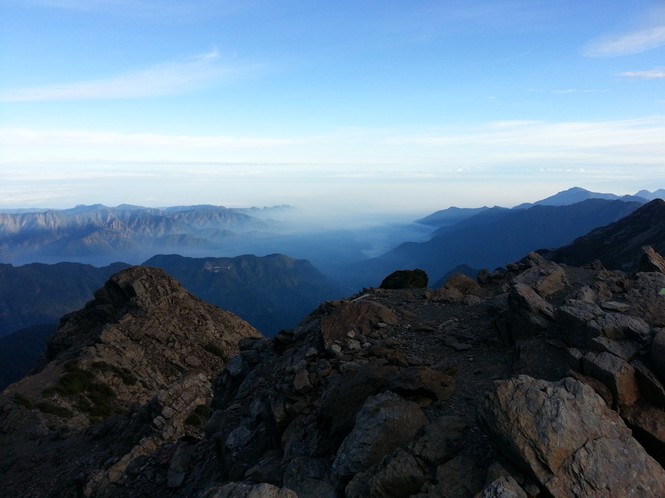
(496, 240)
(574, 195)
(37, 293)
(450, 216)
(618, 244)
(131, 233)
(20, 351)
(271, 292)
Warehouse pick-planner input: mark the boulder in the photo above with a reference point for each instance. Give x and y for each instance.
(651, 261)
(648, 425)
(617, 374)
(310, 477)
(567, 437)
(361, 317)
(405, 279)
(657, 355)
(241, 490)
(385, 422)
(546, 278)
(503, 487)
(581, 322)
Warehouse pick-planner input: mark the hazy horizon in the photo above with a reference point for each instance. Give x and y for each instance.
(353, 107)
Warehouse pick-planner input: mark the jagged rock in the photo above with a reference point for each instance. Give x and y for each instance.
(405, 471)
(400, 476)
(180, 465)
(285, 409)
(647, 298)
(529, 315)
(466, 285)
(405, 279)
(650, 387)
(542, 358)
(648, 424)
(461, 477)
(545, 277)
(126, 375)
(615, 306)
(600, 389)
(503, 487)
(424, 382)
(651, 261)
(385, 422)
(617, 374)
(310, 477)
(581, 322)
(362, 317)
(241, 490)
(657, 355)
(569, 439)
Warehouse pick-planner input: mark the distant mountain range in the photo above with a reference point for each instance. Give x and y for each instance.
(38, 294)
(495, 237)
(272, 292)
(453, 215)
(98, 233)
(616, 245)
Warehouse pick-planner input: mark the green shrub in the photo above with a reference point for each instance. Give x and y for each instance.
(58, 411)
(128, 378)
(214, 349)
(198, 416)
(21, 400)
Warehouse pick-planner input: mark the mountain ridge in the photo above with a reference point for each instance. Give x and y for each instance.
(486, 384)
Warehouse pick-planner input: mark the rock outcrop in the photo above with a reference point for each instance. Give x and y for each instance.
(570, 440)
(131, 370)
(537, 379)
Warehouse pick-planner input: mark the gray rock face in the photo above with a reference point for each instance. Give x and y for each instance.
(240, 490)
(616, 374)
(385, 422)
(651, 261)
(565, 435)
(503, 487)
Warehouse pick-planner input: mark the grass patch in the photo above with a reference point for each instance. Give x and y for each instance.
(56, 410)
(214, 349)
(128, 378)
(96, 399)
(21, 400)
(198, 416)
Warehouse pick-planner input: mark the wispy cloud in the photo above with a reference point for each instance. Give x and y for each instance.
(142, 9)
(653, 74)
(169, 78)
(634, 42)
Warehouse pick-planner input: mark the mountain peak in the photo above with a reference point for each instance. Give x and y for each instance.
(137, 363)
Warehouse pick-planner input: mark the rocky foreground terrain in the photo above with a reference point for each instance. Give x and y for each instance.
(537, 380)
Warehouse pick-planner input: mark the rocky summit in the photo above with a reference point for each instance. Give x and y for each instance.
(536, 380)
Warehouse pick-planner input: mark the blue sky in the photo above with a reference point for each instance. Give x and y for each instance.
(393, 106)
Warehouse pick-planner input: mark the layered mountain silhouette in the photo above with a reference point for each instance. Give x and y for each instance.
(494, 237)
(37, 294)
(615, 245)
(271, 292)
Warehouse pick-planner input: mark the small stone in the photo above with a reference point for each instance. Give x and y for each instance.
(336, 348)
(311, 352)
(615, 306)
